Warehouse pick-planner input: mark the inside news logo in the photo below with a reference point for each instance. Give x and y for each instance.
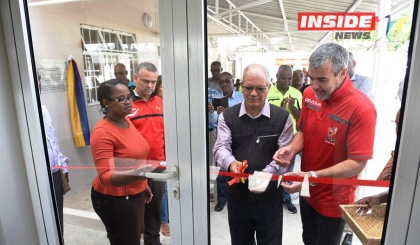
(336, 21)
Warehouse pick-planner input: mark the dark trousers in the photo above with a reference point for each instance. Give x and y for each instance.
(152, 213)
(222, 185)
(319, 229)
(59, 196)
(123, 218)
(262, 218)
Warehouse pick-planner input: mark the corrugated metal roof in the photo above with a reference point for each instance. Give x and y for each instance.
(263, 19)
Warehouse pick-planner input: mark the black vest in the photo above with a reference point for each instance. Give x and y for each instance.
(255, 140)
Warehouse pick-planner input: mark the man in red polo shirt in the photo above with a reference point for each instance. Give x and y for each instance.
(147, 117)
(336, 131)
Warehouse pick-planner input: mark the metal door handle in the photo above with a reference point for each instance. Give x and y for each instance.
(165, 175)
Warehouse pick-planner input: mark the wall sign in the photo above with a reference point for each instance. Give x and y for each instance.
(336, 21)
(51, 72)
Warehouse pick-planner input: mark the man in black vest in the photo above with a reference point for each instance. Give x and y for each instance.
(253, 131)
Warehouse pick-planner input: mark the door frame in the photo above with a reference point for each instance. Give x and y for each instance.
(183, 53)
(404, 210)
(28, 109)
(183, 66)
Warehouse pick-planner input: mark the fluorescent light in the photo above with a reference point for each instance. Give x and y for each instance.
(51, 2)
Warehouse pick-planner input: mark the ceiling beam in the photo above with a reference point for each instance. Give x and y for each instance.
(262, 32)
(235, 9)
(286, 27)
(401, 6)
(223, 25)
(240, 14)
(267, 17)
(351, 9)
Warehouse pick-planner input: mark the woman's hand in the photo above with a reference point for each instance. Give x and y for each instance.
(141, 171)
(149, 194)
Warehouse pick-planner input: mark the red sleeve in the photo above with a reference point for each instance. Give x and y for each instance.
(102, 147)
(361, 134)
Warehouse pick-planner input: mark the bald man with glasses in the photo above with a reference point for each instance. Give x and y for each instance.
(253, 130)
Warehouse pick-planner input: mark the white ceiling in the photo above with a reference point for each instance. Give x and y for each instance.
(276, 20)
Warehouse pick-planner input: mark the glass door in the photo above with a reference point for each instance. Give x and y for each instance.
(95, 39)
(286, 33)
(172, 35)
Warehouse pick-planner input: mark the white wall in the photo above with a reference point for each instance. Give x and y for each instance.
(55, 31)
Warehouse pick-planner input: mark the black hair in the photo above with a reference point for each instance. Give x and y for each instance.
(158, 83)
(216, 63)
(105, 91)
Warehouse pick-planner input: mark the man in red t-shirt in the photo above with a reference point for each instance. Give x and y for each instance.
(336, 131)
(147, 117)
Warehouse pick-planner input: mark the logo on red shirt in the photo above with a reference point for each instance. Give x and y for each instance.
(312, 102)
(331, 135)
(336, 21)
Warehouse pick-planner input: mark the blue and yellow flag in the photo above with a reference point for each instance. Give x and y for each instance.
(78, 114)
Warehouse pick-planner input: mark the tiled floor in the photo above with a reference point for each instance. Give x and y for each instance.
(82, 226)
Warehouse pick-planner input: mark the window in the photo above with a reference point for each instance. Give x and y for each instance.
(102, 50)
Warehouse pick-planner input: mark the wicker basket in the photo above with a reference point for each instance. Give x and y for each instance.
(367, 227)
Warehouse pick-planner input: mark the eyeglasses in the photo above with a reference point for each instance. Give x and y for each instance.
(122, 99)
(227, 81)
(249, 90)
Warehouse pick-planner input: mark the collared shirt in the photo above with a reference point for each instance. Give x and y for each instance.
(213, 93)
(236, 98)
(56, 158)
(147, 117)
(275, 97)
(130, 84)
(214, 84)
(341, 127)
(222, 148)
(362, 83)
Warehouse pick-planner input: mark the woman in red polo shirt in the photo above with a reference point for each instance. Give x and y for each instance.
(120, 189)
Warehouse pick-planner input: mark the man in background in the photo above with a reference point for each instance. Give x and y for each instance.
(298, 79)
(214, 91)
(289, 98)
(147, 117)
(363, 83)
(212, 132)
(213, 81)
(234, 97)
(121, 73)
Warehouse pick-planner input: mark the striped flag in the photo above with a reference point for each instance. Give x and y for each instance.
(78, 114)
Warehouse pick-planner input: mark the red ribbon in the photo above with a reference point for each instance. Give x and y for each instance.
(330, 181)
(239, 176)
(241, 169)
